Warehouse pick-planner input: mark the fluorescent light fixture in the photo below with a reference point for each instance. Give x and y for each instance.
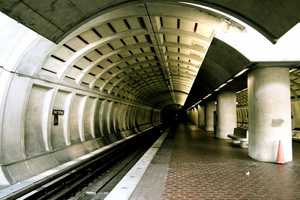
(207, 96)
(222, 85)
(241, 90)
(229, 80)
(241, 72)
(194, 105)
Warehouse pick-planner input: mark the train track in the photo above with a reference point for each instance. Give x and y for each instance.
(103, 184)
(94, 178)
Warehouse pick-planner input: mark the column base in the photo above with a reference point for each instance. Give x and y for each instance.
(269, 160)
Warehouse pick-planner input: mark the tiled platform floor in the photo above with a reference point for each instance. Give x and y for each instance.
(193, 166)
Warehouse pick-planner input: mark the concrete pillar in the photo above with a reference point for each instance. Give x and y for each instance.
(269, 114)
(201, 116)
(192, 115)
(227, 117)
(189, 116)
(195, 116)
(210, 108)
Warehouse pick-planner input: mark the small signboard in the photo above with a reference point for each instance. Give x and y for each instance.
(55, 114)
(58, 112)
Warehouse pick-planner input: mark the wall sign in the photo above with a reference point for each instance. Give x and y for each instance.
(58, 112)
(55, 114)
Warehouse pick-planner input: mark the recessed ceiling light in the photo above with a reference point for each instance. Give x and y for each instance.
(241, 72)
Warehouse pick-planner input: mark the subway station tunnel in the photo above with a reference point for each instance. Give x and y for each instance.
(84, 80)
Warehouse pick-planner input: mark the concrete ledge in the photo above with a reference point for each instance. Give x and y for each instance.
(125, 188)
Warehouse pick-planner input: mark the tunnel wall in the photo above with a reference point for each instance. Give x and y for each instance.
(34, 141)
(46, 122)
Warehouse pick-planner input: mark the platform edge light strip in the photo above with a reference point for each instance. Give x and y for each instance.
(125, 188)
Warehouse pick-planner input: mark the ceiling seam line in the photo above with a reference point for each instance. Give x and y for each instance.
(155, 36)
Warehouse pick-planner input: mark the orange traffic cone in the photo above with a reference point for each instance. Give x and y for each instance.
(280, 155)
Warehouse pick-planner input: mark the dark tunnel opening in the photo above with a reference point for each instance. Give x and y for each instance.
(173, 114)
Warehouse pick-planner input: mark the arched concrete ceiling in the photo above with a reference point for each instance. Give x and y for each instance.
(54, 18)
(137, 50)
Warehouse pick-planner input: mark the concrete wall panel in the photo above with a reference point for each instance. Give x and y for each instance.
(13, 119)
(35, 126)
(89, 118)
(74, 118)
(57, 130)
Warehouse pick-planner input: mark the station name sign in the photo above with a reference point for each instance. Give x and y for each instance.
(58, 112)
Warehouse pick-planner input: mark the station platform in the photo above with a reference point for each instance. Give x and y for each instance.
(193, 165)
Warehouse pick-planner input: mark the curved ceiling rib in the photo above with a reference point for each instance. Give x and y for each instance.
(181, 83)
(137, 53)
(121, 84)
